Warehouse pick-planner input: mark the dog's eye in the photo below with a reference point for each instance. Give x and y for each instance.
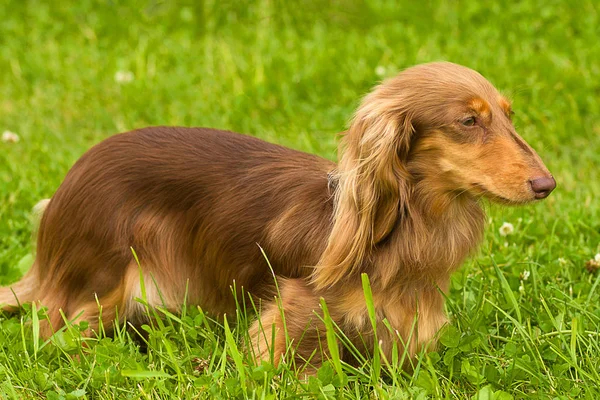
(468, 121)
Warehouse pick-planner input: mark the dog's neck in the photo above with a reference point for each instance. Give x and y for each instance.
(433, 237)
(434, 234)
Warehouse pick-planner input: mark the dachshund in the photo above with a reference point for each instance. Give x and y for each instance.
(207, 210)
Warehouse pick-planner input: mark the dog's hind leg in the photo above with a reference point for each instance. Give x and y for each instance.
(100, 313)
(73, 308)
(121, 302)
(54, 302)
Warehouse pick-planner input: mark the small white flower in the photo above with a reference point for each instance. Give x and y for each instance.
(522, 289)
(597, 258)
(10, 137)
(562, 262)
(123, 76)
(506, 229)
(380, 70)
(526, 275)
(505, 244)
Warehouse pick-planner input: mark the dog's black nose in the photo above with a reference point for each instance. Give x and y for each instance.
(542, 187)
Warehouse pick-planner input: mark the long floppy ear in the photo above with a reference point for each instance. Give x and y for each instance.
(372, 187)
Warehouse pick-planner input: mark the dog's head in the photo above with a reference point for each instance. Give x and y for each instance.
(452, 131)
(438, 131)
(463, 140)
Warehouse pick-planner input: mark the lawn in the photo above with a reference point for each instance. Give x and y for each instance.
(524, 311)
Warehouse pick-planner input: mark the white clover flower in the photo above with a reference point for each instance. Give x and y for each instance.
(380, 70)
(10, 137)
(526, 275)
(123, 76)
(506, 229)
(562, 262)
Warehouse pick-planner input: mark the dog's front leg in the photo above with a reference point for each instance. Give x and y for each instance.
(291, 328)
(413, 321)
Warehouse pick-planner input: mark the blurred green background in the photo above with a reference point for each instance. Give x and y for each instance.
(75, 72)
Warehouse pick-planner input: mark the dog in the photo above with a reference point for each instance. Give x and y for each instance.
(403, 206)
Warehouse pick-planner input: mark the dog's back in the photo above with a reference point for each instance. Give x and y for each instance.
(186, 201)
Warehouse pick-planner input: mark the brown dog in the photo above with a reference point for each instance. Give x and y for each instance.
(402, 206)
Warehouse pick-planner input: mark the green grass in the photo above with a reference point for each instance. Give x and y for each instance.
(292, 73)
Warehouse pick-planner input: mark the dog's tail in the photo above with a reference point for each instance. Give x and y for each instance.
(25, 290)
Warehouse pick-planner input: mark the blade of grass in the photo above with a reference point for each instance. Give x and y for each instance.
(376, 362)
(332, 343)
(507, 291)
(35, 325)
(235, 354)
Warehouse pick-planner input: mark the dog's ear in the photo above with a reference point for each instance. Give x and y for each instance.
(372, 190)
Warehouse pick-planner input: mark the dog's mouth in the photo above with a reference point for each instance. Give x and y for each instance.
(482, 191)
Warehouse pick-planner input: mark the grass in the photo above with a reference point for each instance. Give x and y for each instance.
(525, 312)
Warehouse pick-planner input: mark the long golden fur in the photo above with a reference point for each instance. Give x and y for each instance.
(402, 205)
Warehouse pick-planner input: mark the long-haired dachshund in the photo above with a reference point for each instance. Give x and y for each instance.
(402, 205)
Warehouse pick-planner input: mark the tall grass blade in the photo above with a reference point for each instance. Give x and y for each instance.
(332, 342)
(507, 291)
(235, 354)
(376, 363)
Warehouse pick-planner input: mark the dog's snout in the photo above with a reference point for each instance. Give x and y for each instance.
(542, 187)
